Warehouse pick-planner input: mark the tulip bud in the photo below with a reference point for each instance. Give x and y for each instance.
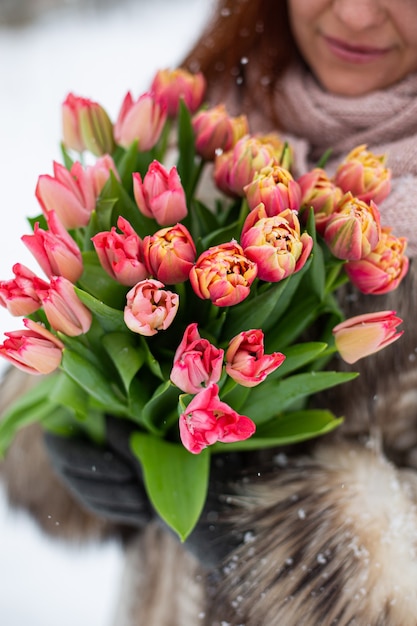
(55, 250)
(121, 255)
(207, 419)
(171, 86)
(20, 295)
(363, 335)
(86, 126)
(235, 169)
(354, 229)
(149, 308)
(215, 130)
(275, 244)
(73, 194)
(223, 274)
(35, 350)
(281, 150)
(246, 362)
(64, 310)
(169, 254)
(140, 121)
(383, 268)
(160, 196)
(275, 187)
(364, 174)
(321, 193)
(69, 193)
(99, 173)
(197, 363)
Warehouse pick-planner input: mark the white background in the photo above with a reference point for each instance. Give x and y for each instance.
(99, 55)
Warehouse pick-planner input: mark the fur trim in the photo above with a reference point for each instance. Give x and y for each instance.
(162, 583)
(329, 539)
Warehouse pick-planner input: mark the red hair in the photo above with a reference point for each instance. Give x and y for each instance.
(243, 32)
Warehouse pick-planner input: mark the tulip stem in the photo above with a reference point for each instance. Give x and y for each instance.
(196, 177)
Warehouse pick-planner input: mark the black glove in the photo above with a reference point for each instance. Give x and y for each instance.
(106, 480)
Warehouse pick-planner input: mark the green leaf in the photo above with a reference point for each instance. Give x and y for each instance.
(160, 406)
(110, 319)
(251, 313)
(155, 412)
(132, 161)
(273, 397)
(126, 165)
(316, 276)
(129, 210)
(38, 219)
(69, 394)
(301, 314)
(186, 160)
(151, 361)
(105, 205)
(296, 356)
(283, 304)
(286, 429)
(99, 284)
(176, 480)
(127, 356)
(95, 382)
(68, 161)
(139, 394)
(61, 422)
(34, 406)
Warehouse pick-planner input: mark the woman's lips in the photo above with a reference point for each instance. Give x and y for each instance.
(354, 53)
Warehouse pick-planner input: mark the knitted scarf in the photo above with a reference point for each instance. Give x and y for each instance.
(386, 121)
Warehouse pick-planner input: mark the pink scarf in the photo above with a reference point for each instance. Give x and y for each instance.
(386, 121)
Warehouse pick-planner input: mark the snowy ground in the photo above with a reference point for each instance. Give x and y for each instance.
(101, 56)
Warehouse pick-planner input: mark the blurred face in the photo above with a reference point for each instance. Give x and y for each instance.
(356, 46)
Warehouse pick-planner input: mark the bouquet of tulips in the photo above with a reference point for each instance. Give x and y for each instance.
(190, 286)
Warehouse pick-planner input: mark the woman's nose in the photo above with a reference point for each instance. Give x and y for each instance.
(359, 15)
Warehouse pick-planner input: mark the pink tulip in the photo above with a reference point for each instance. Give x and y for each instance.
(235, 169)
(275, 244)
(73, 194)
(160, 195)
(169, 254)
(321, 193)
(20, 294)
(70, 193)
(35, 350)
(86, 126)
(140, 121)
(383, 268)
(121, 255)
(197, 363)
(207, 419)
(223, 274)
(276, 188)
(365, 334)
(354, 229)
(246, 362)
(215, 130)
(171, 86)
(55, 250)
(150, 308)
(99, 173)
(64, 310)
(364, 174)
